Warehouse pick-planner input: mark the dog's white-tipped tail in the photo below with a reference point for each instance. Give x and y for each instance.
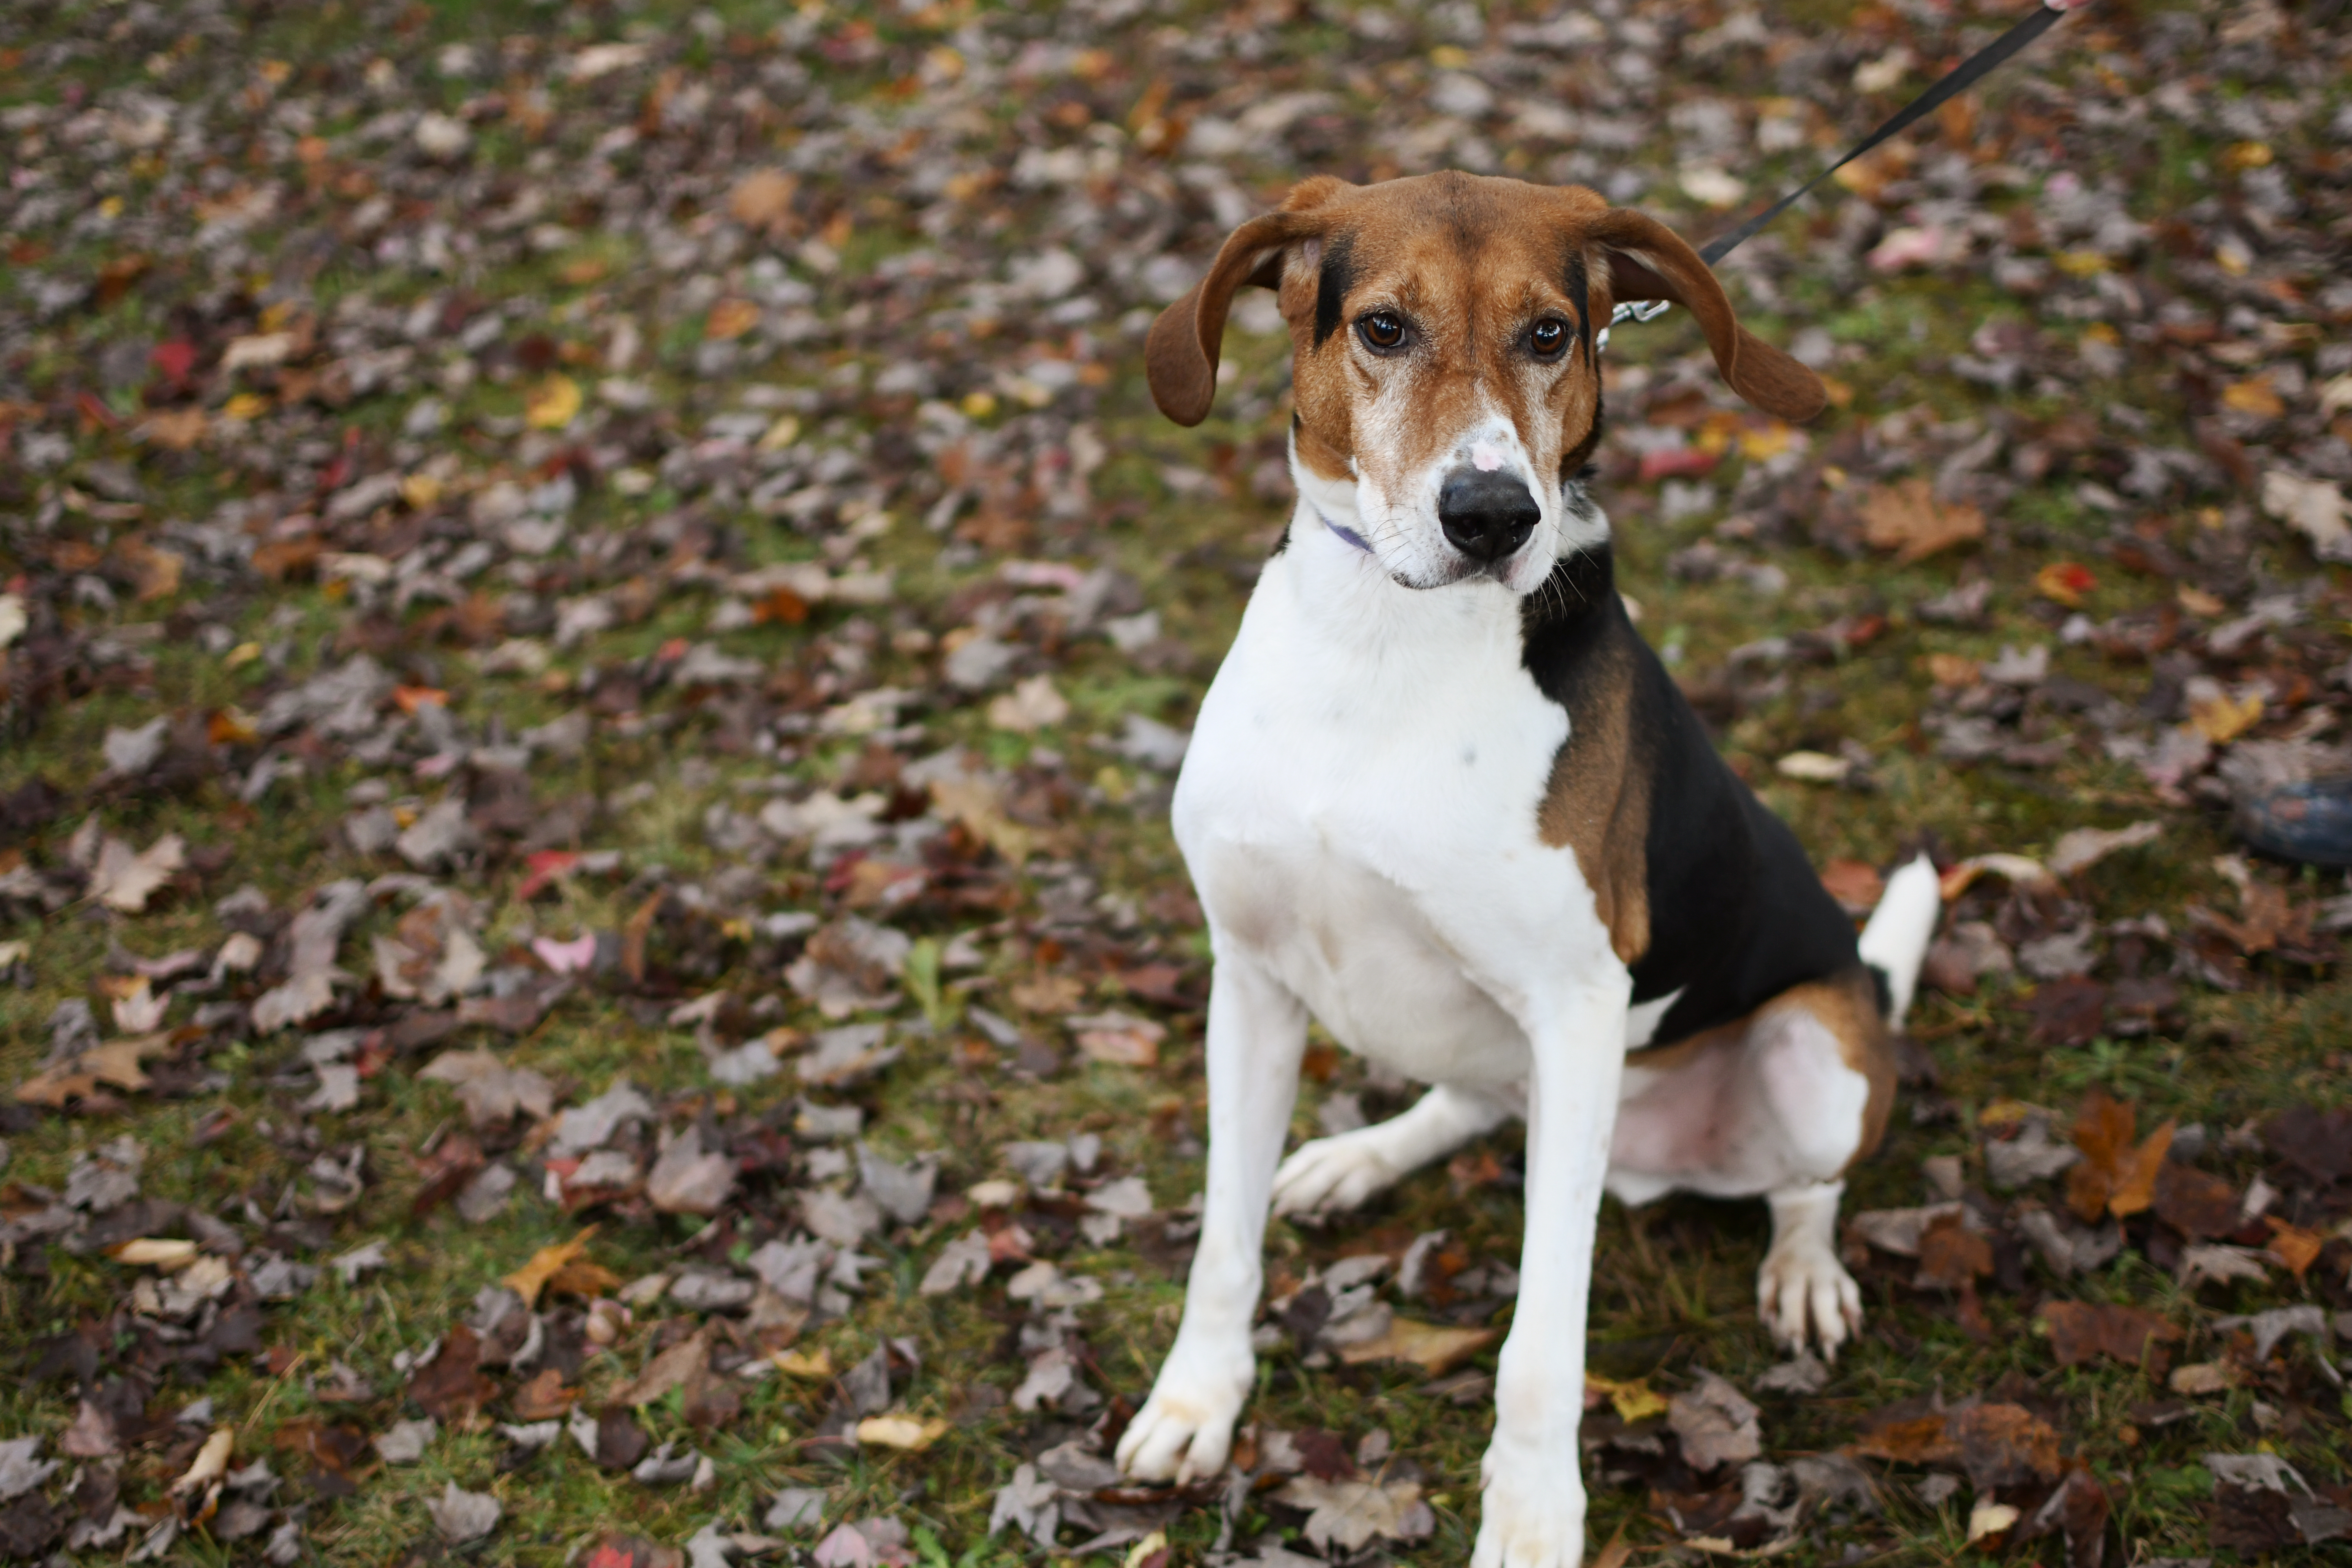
(1900, 928)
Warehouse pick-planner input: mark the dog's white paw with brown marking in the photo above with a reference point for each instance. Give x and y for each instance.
(1186, 1429)
(1803, 1293)
(1531, 1515)
(1334, 1173)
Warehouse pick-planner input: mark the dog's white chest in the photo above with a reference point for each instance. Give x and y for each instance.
(1359, 811)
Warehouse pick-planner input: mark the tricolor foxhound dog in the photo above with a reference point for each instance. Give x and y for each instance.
(1443, 797)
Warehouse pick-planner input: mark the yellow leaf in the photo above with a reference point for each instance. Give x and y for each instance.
(904, 1432)
(1633, 1401)
(545, 1264)
(2198, 602)
(2221, 719)
(2254, 395)
(420, 490)
(780, 435)
(1434, 1348)
(816, 1364)
(552, 403)
(245, 405)
(165, 1252)
(2079, 263)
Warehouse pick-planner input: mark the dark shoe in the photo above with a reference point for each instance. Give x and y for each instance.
(2310, 822)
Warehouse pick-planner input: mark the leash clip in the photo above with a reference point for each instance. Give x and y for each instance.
(1637, 311)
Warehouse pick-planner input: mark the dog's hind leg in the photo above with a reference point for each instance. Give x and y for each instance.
(1341, 1171)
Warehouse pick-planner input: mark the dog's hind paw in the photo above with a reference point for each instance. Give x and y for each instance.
(1334, 1173)
(1803, 1292)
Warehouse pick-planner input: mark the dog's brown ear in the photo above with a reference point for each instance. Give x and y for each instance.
(1179, 357)
(1647, 260)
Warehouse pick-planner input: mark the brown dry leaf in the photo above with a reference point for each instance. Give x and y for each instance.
(452, 1385)
(1951, 1254)
(977, 804)
(2114, 1175)
(2003, 1446)
(2195, 1203)
(1048, 993)
(2085, 1331)
(545, 1265)
(116, 1064)
(543, 1395)
(279, 559)
(156, 571)
(1435, 1348)
(1915, 1440)
(176, 429)
(1907, 519)
(729, 320)
(2292, 1246)
(763, 199)
(673, 1368)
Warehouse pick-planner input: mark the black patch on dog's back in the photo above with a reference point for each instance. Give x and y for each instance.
(1736, 914)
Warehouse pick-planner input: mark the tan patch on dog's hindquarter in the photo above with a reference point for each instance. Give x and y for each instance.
(1596, 804)
(1846, 1005)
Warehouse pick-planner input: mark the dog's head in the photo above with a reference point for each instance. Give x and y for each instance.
(1447, 379)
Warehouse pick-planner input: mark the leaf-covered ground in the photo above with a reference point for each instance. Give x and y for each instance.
(597, 628)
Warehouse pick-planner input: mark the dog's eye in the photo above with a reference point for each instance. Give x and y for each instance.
(1547, 337)
(1382, 330)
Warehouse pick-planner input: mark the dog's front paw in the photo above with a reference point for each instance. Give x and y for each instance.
(1530, 1515)
(1185, 1429)
(1804, 1292)
(1334, 1173)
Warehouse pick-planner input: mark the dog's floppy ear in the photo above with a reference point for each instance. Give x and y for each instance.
(1179, 357)
(1647, 260)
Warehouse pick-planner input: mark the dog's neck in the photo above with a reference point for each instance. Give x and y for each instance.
(1337, 568)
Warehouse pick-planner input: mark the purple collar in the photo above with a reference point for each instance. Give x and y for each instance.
(1347, 534)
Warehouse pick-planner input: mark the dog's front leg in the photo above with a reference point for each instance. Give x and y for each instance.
(1257, 1032)
(1532, 1512)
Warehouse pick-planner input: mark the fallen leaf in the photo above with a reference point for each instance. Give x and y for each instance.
(2114, 1175)
(762, 199)
(2221, 718)
(2065, 583)
(2081, 1331)
(671, 1369)
(729, 320)
(210, 1464)
(461, 1516)
(125, 879)
(545, 1264)
(1435, 1348)
(908, 1433)
(2314, 508)
(1907, 519)
(554, 403)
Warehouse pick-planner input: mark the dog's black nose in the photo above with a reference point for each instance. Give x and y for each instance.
(1487, 515)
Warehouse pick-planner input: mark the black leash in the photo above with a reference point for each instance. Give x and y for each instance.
(1961, 77)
